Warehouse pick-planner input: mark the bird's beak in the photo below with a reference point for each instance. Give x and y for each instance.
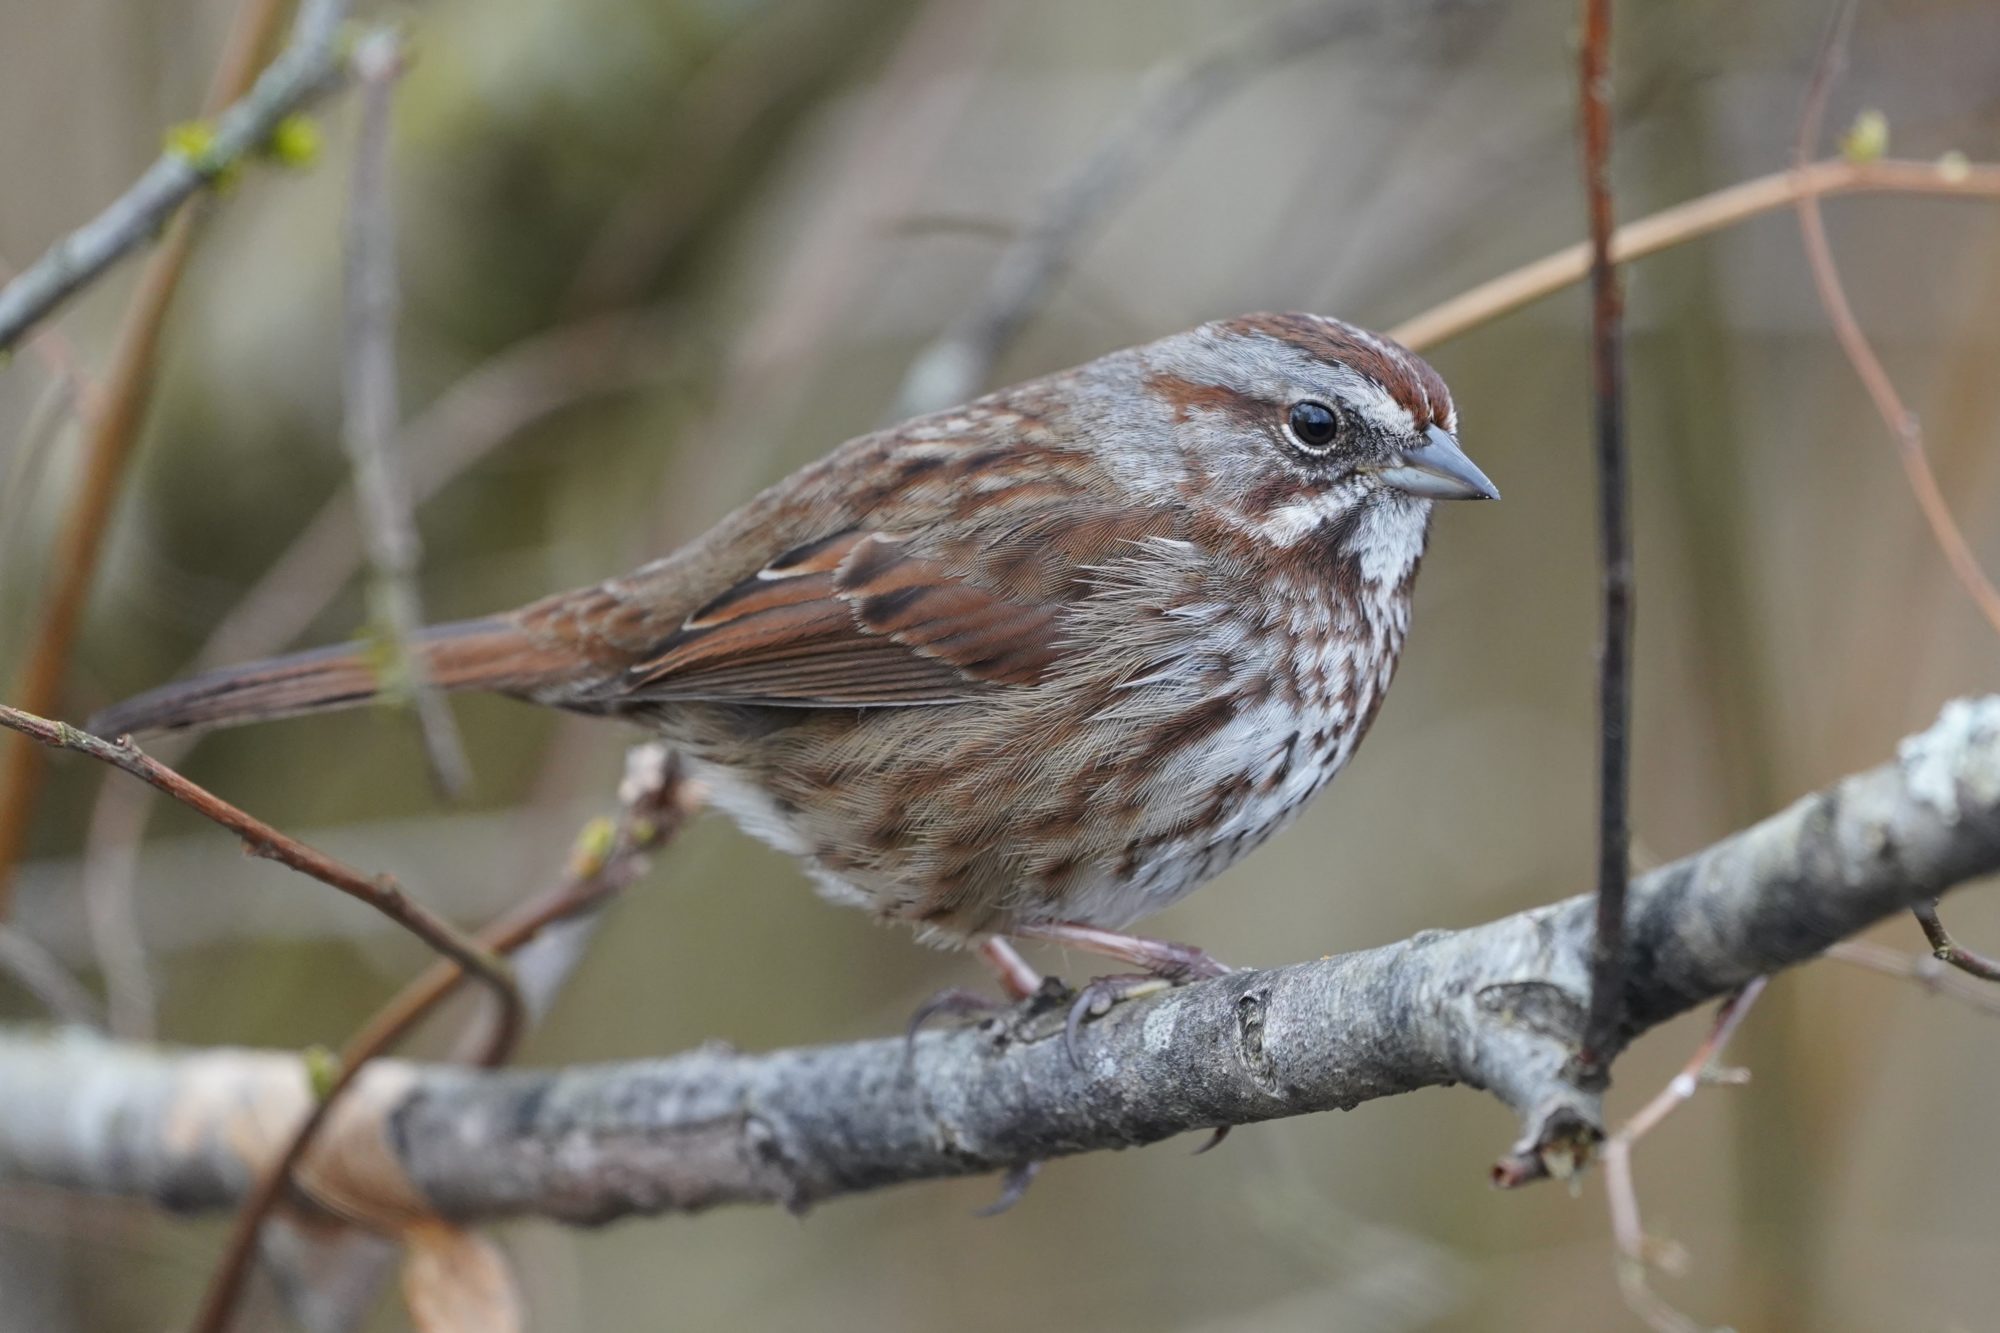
(1438, 469)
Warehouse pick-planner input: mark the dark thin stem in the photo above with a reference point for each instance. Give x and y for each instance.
(653, 811)
(382, 893)
(1614, 690)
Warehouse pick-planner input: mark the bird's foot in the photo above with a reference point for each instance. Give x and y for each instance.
(1021, 983)
(1012, 1186)
(1024, 987)
(1166, 965)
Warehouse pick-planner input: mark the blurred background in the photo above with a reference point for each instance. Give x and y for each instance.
(657, 253)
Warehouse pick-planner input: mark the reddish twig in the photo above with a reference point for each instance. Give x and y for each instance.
(1614, 688)
(1948, 951)
(260, 839)
(1903, 426)
(609, 857)
(1889, 404)
(653, 806)
(1633, 1255)
(383, 894)
(112, 430)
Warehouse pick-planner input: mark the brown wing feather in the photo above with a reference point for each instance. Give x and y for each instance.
(921, 566)
(853, 620)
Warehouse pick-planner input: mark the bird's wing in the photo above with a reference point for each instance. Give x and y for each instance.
(868, 618)
(875, 617)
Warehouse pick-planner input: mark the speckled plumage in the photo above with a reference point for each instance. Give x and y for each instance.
(1062, 654)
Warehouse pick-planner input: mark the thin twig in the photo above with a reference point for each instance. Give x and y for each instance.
(609, 857)
(956, 365)
(312, 1260)
(1619, 1192)
(1895, 413)
(260, 839)
(528, 382)
(383, 894)
(114, 423)
(28, 463)
(300, 73)
(70, 393)
(56, 352)
(1684, 222)
(110, 877)
(533, 379)
(1926, 970)
(1949, 951)
(37, 972)
(373, 413)
(1614, 681)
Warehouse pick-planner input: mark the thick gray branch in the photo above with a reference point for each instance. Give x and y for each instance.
(1498, 1006)
(302, 70)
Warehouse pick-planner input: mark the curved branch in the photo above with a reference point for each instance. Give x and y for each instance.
(1700, 216)
(1498, 1006)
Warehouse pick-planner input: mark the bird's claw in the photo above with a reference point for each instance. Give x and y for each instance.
(1100, 997)
(958, 1002)
(1012, 1186)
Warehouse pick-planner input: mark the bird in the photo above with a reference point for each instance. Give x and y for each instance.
(1031, 668)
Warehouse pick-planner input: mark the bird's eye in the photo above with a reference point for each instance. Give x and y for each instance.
(1315, 427)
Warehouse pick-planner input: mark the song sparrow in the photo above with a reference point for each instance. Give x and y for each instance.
(1036, 666)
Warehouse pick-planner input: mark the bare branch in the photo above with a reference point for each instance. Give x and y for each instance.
(1698, 217)
(260, 839)
(1614, 657)
(300, 73)
(1633, 1248)
(373, 414)
(1949, 951)
(1499, 1006)
(531, 380)
(114, 421)
(1895, 413)
(1924, 969)
(652, 810)
(38, 972)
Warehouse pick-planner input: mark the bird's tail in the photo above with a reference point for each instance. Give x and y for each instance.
(490, 654)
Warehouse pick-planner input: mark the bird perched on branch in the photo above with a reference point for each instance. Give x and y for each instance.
(1034, 667)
